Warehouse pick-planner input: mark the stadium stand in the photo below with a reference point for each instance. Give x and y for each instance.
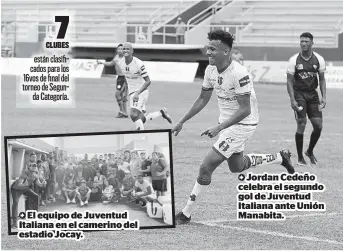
(261, 23)
(102, 21)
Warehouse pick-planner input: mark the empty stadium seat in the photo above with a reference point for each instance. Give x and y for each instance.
(97, 14)
(281, 22)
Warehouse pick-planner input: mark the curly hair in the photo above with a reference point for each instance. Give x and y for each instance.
(224, 36)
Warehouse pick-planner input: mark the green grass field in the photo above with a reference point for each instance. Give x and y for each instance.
(214, 224)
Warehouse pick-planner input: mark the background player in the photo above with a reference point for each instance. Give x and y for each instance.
(237, 122)
(303, 71)
(138, 82)
(237, 56)
(121, 93)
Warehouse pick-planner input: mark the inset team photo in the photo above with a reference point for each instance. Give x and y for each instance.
(97, 173)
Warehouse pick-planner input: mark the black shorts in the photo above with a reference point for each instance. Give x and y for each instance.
(310, 104)
(160, 185)
(121, 83)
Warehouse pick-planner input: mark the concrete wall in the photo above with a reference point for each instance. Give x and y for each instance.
(18, 156)
(148, 142)
(92, 144)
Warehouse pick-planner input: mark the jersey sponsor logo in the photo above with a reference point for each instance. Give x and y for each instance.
(299, 67)
(305, 75)
(234, 98)
(244, 81)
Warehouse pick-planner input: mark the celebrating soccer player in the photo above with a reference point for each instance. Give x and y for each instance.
(303, 71)
(138, 82)
(237, 122)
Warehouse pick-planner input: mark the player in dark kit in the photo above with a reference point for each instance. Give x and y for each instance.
(303, 71)
(122, 90)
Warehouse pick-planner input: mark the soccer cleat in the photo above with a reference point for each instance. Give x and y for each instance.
(68, 201)
(311, 157)
(86, 202)
(286, 161)
(165, 115)
(73, 201)
(81, 203)
(182, 219)
(302, 162)
(120, 115)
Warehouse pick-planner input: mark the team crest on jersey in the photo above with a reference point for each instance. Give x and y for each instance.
(244, 81)
(299, 66)
(224, 146)
(220, 80)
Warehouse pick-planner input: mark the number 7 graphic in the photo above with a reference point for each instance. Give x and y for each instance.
(64, 25)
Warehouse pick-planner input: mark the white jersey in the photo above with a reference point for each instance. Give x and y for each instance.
(135, 73)
(118, 59)
(144, 186)
(234, 81)
(124, 167)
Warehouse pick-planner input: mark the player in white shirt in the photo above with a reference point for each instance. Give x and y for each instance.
(237, 121)
(122, 91)
(146, 190)
(237, 56)
(138, 82)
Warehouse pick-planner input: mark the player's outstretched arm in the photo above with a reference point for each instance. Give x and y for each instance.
(197, 106)
(112, 63)
(290, 81)
(322, 86)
